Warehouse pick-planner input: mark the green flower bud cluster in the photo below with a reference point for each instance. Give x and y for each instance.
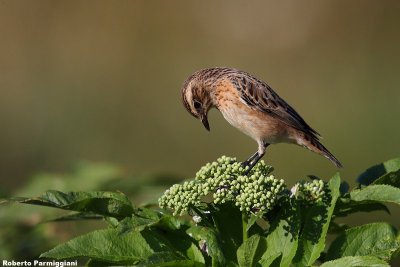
(259, 191)
(313, 191)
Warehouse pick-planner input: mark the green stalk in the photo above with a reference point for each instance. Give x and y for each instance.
(244, 225)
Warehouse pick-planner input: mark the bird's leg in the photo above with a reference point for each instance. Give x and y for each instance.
(258, 155)
(247, 162)
(253, 163)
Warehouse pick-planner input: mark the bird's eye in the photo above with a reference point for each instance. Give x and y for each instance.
(197, 105)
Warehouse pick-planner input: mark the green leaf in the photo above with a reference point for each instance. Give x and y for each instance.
(168, 229)
(105, 245)
(145, 218)
(317, 220)
(373, 173)
(94, 263)
(176, 241)
(77, 216)
(166, 259)
(390, 178)
(161, 242)
(359, 261)
(208, 242)
(168, 222)
(376, 239)
(231, 264)
(382, 192)
(283, 234)
(163, 260)
(252, 219)
(131, 247)
(195, 254)
(250, 252)
(272, 260)
(113, 222)
(228, 221)
(105, 203)
(346, 206)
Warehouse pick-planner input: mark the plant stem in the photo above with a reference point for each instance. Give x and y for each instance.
(244, 225)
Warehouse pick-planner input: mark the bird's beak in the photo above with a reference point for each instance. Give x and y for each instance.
(205, 122)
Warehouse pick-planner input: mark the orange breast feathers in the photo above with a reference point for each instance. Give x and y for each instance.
(255, 123)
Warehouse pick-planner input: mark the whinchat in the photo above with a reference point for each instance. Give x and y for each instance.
(253, 107)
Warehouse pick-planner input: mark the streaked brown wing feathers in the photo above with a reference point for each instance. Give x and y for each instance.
(258, 95)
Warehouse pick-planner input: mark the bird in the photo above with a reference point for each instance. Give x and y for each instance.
(251, 106)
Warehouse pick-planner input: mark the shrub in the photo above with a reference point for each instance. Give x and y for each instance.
(222, 218)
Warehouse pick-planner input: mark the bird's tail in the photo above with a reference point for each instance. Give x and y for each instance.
(312, 143)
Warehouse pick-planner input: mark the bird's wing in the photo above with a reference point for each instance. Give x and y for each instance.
(258, 95)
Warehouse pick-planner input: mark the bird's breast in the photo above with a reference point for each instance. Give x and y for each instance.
(254, 123)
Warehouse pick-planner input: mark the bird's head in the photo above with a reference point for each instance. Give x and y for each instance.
(197, 99)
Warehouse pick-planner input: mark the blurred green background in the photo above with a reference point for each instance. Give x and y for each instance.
(100, 81)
